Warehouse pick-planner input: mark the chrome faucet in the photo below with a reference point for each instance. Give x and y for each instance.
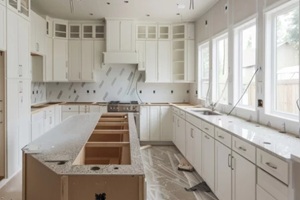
(213, 106)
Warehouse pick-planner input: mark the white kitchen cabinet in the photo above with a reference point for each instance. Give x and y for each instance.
(154, 123)
(60, 60)
(48, 59)
(141, 49)
(190, 143)
(2, 28)
(183, 31)
(174, 125)
(20, 7)
(243, 178)
(37, 125)
(99, 48)
(60, 28)
(164, 61)
(208, 162)
(147, 31)
(165, 121)
(74, 58)
(164, 32)
(261, 194)
(48, 118)
(103, 109)
(120, 35)
(93, 31)
(38, 34)
(87, 66)
(151, 61)
(198, 150)
(74, 31)
(144, 123)
(223, 170)
(17, 46)
(180, 135)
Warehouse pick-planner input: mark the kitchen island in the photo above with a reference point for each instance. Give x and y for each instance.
(88, 156)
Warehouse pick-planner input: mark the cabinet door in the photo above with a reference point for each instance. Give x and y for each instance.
(75, 60)
(165, 121)
(243, 178)
(41, 34)
(113, 35)
(140, 48)
(2, 28)
(99, 48)
(24, 48)
(144, 123)
(57, 114)
(48, 70)
(189, 75)
(151, 61)
(190, 143)
(222, 171)
(180, 135)
(262, 194)
(103, 109)
(37, 125)
(60, 60)
(94, 109)
(154, 123)
(126, 43)
(208, 163)
(87, 54)
(198, 150)
(174, 128)
(164, 61)
(12, 45)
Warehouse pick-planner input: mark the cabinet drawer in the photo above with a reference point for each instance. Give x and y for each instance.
(175, 111)
(182, 114)
(273, 165)
(84, 108)
(193, 120)
(71, 108)
(244, 149)
(208, 128)
(271, 185)
(223, 137)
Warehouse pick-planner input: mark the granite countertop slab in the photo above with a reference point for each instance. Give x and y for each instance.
(265, 138)
(65, 141)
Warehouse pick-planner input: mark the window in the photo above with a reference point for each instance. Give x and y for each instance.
(203, 70)
(245, 64)
(220, 69)
(283, 63)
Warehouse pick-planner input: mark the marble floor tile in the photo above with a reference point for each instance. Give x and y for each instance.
(164, 180)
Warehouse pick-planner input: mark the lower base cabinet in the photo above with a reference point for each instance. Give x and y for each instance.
(262, 194)
(208, 162)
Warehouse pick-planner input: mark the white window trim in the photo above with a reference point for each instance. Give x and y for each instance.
(200, 70)
(237, 62)
(214, 67)
(270, 42)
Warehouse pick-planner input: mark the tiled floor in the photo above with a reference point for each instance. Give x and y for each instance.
(164, 181)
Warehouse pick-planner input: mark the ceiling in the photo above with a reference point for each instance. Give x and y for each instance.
(159, 10)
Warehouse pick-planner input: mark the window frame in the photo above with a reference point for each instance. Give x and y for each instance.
(271, 61)
(201, 46)
(238, 45)
(215, 82)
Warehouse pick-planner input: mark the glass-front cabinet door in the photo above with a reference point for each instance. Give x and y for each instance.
(21, 6)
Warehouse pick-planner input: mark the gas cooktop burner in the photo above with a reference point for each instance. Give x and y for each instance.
(117, 106)
(122, 102)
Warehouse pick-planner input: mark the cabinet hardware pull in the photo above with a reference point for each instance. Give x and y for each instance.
(222, 137)
(271, 165)
(242, 148)
(229, 160)
(206, 137)
(232, 159)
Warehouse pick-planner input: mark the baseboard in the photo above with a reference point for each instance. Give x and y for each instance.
(5, 181)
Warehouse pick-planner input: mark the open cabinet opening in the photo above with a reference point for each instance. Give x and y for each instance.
(109, 143)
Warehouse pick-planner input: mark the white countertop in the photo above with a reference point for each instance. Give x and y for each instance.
(281, 145)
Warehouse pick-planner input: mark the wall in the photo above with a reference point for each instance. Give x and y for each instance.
(218, 20)
(118, 82)
(38, 93)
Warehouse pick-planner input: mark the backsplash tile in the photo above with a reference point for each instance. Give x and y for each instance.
(38, 93)
(118, 82)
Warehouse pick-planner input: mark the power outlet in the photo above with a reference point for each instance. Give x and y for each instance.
(260, 103)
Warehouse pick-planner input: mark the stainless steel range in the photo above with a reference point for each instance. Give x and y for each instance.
(132, 107)
(117, 106)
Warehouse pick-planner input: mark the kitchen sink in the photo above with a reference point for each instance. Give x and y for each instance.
(206, 112)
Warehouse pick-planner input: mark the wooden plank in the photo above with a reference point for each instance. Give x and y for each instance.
(113, 120)
(110, 132)
(112, 124)
(106, 144)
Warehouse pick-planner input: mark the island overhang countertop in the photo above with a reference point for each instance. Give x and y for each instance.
(58, 148)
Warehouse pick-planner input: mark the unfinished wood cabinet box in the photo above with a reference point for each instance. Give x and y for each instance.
(108, 144)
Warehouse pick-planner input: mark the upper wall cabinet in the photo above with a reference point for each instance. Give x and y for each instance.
(20, 6)
(183, 31)
(38, 33)
(93, 31)
(2, 28)
(49, 26)
(74, 31)
(60, 60)
(60, 29)
(120, 35)
(164, 32)
(146, 32)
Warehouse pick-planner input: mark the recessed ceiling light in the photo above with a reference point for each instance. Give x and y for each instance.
(126, 1)
(177, 13)
(180, 6)
(91, 14)
(148, 15)
(107, 3)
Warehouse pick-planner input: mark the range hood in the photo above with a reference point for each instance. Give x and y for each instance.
(120, 57)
